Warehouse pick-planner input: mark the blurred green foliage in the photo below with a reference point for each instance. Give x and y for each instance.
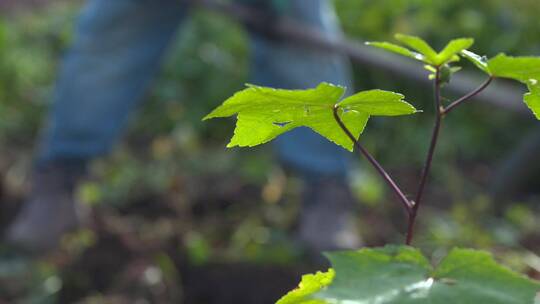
(170, 157)
(496, 25)
(30, 45)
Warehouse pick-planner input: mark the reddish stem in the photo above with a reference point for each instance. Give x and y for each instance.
(429, 158)
(412, 207)
(439, 113)
(404, 200)
(459, 101)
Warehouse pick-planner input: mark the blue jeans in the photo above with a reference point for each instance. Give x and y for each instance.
(117, 51)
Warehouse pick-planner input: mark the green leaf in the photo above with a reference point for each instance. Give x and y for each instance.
(474, 277)
(310, 284)
(265, 113)
(276, 100)
(378, 102)
(479, 61)
(532, 98)
(419, 45)
(402, 275)
(518, 68)
(425, 52)
(452, 49)
(523, 69)
(397, 49)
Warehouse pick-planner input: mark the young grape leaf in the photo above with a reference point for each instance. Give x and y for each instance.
(418, 44)
(522, 69)
(532, 98)
(479, 61)
(265, 113)
(377, 102)
(518, 68)
(397, 49)
(474, 277)
(402, 275)
(452, 49)
(425, 52)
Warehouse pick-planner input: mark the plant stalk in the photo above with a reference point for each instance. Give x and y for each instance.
(412, 207)
(391, 183)
(429, 158)
(459, 101)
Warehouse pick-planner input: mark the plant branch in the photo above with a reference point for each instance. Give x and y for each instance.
(429, 158)
(404, 200)
(412, 207)
(459, 101)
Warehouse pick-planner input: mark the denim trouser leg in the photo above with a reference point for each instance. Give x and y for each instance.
(116, 52)
(293, 67)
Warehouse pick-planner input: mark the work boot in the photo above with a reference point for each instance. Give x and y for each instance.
(50, 210)
(327, 218)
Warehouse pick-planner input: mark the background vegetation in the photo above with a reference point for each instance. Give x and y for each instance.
(176, 216)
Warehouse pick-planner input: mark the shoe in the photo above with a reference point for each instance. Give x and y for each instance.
(327, 219)
(50, 211)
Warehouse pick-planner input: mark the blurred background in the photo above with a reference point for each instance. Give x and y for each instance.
(177, 217)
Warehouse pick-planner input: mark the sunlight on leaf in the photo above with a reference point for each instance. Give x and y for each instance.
(378, 102)
(532, 98)
(265, 113)
(479, 61)
(518, 68)
(397, 49)
(424, 52)
(523, 69)
(449, 53)
(419, 45)
(310, 284)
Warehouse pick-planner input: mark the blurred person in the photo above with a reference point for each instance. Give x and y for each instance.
(116, 53)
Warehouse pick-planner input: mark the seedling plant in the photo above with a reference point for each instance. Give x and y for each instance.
(394, 273)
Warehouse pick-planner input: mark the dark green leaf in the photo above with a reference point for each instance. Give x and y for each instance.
(401, 275)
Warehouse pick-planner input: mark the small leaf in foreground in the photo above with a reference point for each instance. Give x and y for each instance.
(310, 284)
(265, 113)
(402, 275)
